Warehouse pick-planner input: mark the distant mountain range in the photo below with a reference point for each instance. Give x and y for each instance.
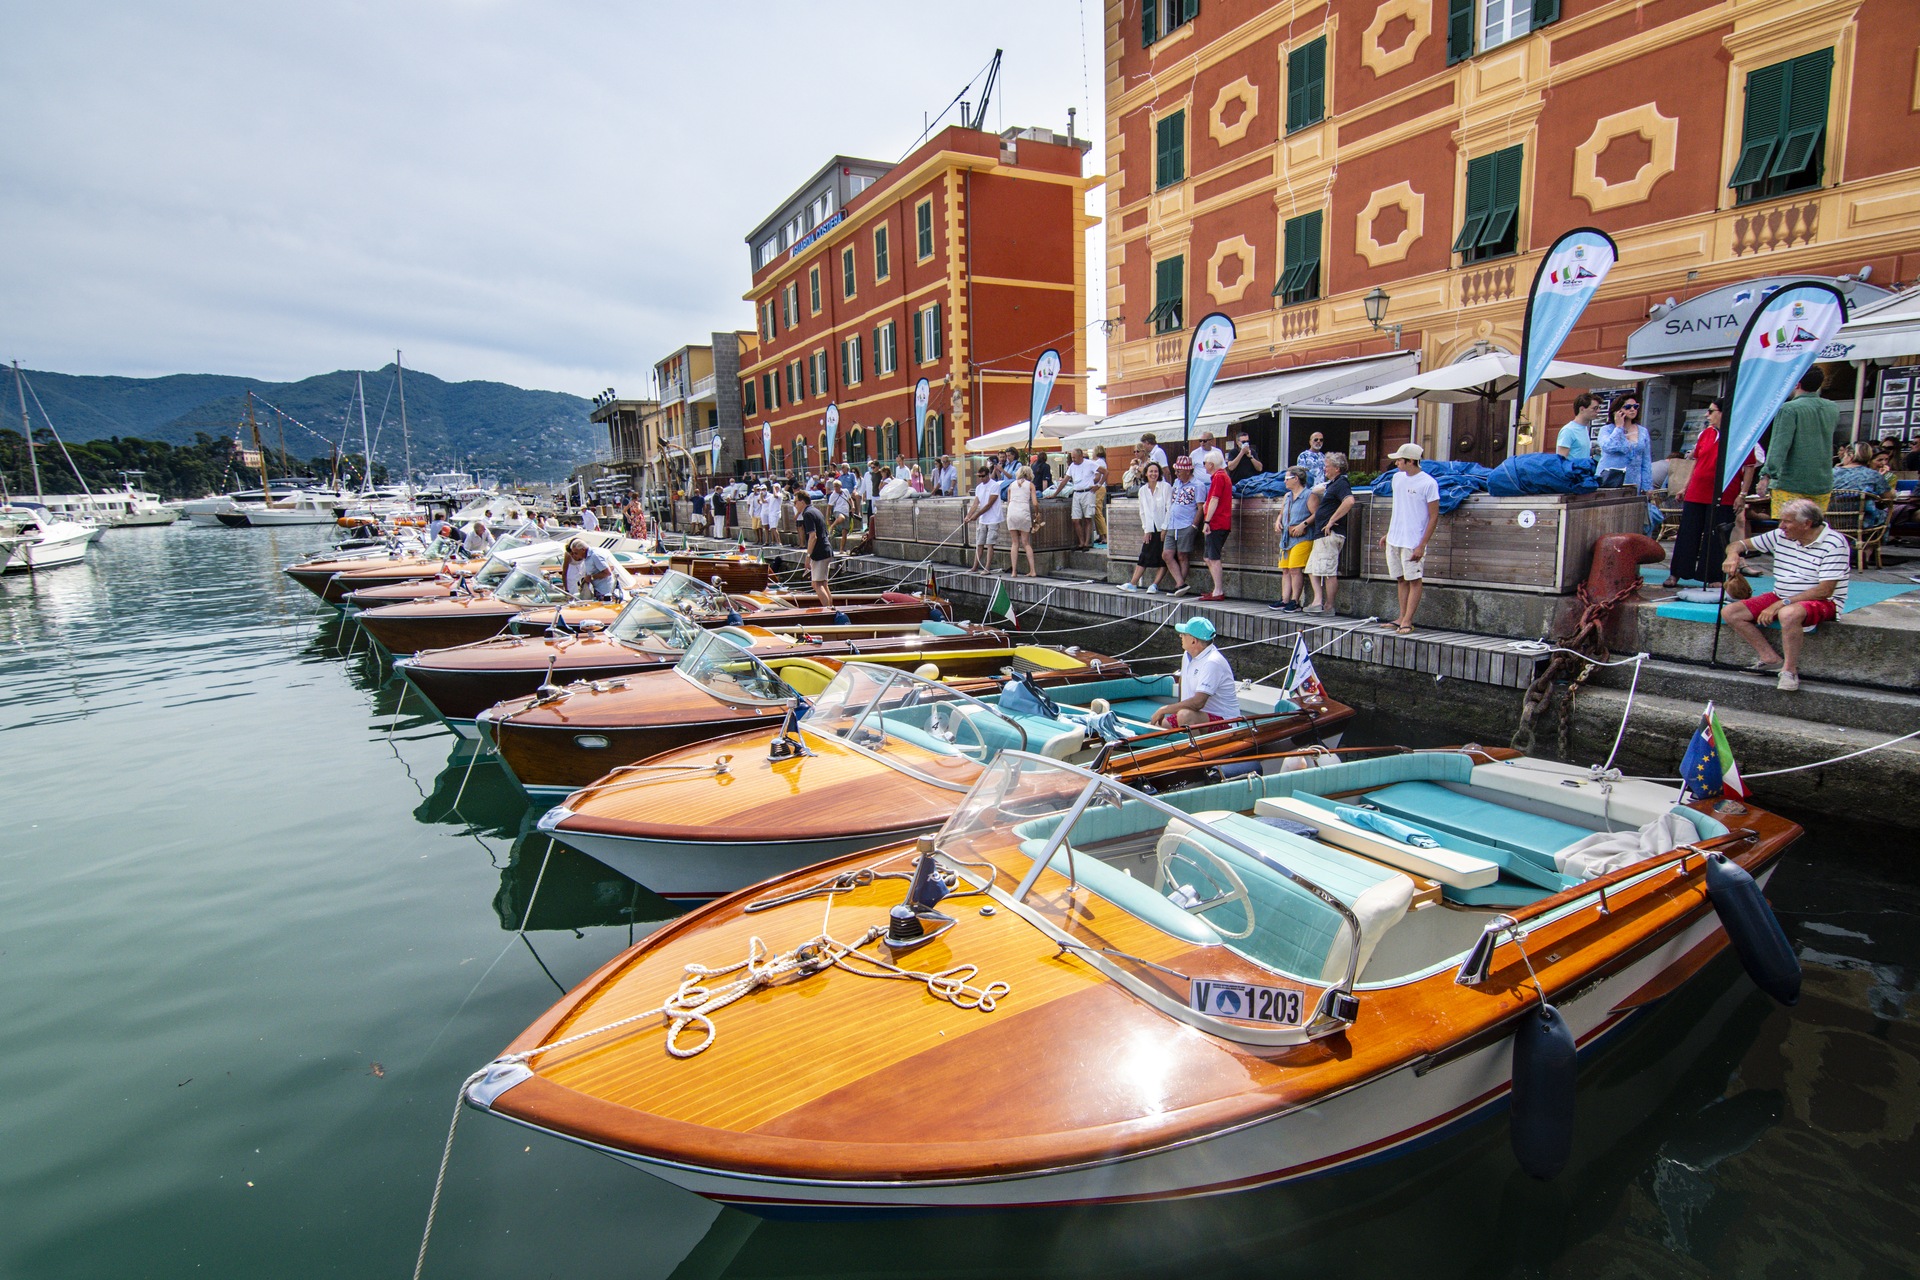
(491, 426)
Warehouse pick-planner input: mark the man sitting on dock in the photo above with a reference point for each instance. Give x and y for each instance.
(1810, 568)
(1207, 691)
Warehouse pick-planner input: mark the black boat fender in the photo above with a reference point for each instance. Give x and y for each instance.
(1757, 936)
(1544, 1068)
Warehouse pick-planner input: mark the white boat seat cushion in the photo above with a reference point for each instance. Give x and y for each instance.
(1446, 866)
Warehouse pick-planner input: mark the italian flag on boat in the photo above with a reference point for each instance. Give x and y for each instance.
(1002, 604)
(1709, 768)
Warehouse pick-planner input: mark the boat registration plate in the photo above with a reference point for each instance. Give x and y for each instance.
(1242, 1000)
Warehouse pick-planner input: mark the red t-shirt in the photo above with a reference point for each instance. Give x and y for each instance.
(1706, 456)
(1220, 493)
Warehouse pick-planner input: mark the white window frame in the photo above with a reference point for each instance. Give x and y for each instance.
(886, 352)
(1503, 21)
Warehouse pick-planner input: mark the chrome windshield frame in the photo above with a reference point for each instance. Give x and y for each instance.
(708, 640)
(888, 677)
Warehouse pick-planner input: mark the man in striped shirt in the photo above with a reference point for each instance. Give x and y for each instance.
(1810, 565)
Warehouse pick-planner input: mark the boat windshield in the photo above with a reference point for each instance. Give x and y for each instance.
(508, 542)
(730, 673)
(527, 585)
(493, 572)
(689, 595)
(1203, 879)
(919, 725)
(644, 617)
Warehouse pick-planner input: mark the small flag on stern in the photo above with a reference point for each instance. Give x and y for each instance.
(1302, 680)
(1002, 604)
(1709, 769)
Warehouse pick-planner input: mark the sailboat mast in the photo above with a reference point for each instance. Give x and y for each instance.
(266, 485)
(366, 449)
(26, 429)
(406, 441)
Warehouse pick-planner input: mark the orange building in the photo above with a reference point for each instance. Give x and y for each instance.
(1282, 162)
(960, 264)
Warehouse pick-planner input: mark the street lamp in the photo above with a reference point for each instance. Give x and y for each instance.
(1376, 306)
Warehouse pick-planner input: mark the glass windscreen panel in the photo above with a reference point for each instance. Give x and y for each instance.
(527, 585)
(911, 721)
(645, 619)
(730, 673)
(689, 595)
(508, 542)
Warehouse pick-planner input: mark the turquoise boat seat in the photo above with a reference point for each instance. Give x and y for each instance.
(1135, 897)
(1531, 835)
(1294, 931)
(941, 629)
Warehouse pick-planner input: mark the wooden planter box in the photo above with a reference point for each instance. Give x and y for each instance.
(917, 525)
(1491, 542)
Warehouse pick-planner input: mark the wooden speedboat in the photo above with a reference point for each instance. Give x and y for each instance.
(882, 755)
(1128, 997)
(561, 740)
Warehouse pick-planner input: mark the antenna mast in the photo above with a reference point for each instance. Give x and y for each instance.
(26, 427)
(406, 441)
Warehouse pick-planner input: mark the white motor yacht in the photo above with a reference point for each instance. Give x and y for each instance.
(37, 542)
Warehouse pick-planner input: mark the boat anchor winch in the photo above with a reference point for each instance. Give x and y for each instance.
(914, 922)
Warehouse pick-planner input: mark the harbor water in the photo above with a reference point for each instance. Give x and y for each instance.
(259, 919)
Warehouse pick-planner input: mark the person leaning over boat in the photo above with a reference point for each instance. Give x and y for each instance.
(589, 571)
(478, 537)
(812, 527)
(1810, 569)
(1207, 692)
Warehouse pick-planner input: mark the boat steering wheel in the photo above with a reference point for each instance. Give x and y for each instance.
(1236, 888)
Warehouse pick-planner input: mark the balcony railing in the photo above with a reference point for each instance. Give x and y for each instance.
(702, 389)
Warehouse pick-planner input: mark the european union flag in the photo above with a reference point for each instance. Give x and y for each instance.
(1700, 770)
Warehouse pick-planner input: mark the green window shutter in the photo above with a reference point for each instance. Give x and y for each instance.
(1170, 150)
(1190, 9)
(846, 272)
(1545, 11)
(1804, 122)
(1497, 235)
(1307, 85)
(923, 220)
(1760, 128)
(934, 334)
(880, 265)
(1169, 288)
(1149, 22)
(846, 369)
(1459, 30)
(1479, 203)
(919, 346)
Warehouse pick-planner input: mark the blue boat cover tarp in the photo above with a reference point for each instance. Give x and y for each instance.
(1526, 474)
(1458, 481)
(1266, 484)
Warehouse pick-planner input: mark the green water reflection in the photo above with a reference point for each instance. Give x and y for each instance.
(259, 921)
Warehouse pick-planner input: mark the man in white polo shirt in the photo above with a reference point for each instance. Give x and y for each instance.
(1416, 514)
(1207, 691)
(1082, 473)
(1207, 459)
(1811, 563)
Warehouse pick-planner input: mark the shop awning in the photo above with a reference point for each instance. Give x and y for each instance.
(1888, 329)
(1054, 427)
(1703, 330)
(1311, 389)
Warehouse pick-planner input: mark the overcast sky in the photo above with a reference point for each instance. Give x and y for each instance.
(553, 194)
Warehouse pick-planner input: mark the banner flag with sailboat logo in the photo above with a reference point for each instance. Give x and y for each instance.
(833, 428)
(922, 392)
(1568, 277)
(1302, 680)
(1212, 338)
(713, 461)
(1045, 370)
(1782, 339)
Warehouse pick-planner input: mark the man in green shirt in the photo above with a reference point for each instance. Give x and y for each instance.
(1800, 453)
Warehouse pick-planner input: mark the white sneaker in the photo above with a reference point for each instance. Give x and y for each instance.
(1153, 588)
(1128, 586)
(1182, 589)
(1789, 681)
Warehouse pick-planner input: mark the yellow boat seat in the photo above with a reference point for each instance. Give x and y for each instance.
(806, 677)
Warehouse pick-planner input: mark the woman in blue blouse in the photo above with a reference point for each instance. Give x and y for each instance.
(1626, 457)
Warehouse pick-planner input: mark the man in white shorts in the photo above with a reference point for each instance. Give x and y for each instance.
(989, 511)
(1208, 694)
(1082, 472)
(1416, 514)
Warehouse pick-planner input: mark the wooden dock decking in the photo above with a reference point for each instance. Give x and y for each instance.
(1455, 655)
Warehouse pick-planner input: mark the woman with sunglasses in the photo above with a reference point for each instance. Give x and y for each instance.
(1626, 457)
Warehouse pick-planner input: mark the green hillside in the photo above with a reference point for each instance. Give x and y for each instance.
(500, 429)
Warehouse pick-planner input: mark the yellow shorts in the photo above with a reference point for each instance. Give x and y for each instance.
(1296, 557)
(1781, 497)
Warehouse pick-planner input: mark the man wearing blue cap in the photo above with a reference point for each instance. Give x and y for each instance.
(1207, 692)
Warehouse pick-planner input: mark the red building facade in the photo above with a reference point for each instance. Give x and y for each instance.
(1281, 161)
(960, 264)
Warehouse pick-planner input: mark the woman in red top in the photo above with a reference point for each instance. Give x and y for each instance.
(1692, 558)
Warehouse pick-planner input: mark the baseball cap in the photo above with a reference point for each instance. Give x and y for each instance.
(1198, 628)
(1407, 453)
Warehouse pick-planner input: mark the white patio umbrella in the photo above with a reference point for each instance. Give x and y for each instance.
(1054, 427)
(1492, 376)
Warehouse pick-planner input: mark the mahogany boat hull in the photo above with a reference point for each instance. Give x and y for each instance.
(902, 609)
(437, 624)
(1097, 1096)
(336, 588)
(875, 806)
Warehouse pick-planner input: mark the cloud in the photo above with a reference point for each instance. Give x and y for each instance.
(552, 194)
